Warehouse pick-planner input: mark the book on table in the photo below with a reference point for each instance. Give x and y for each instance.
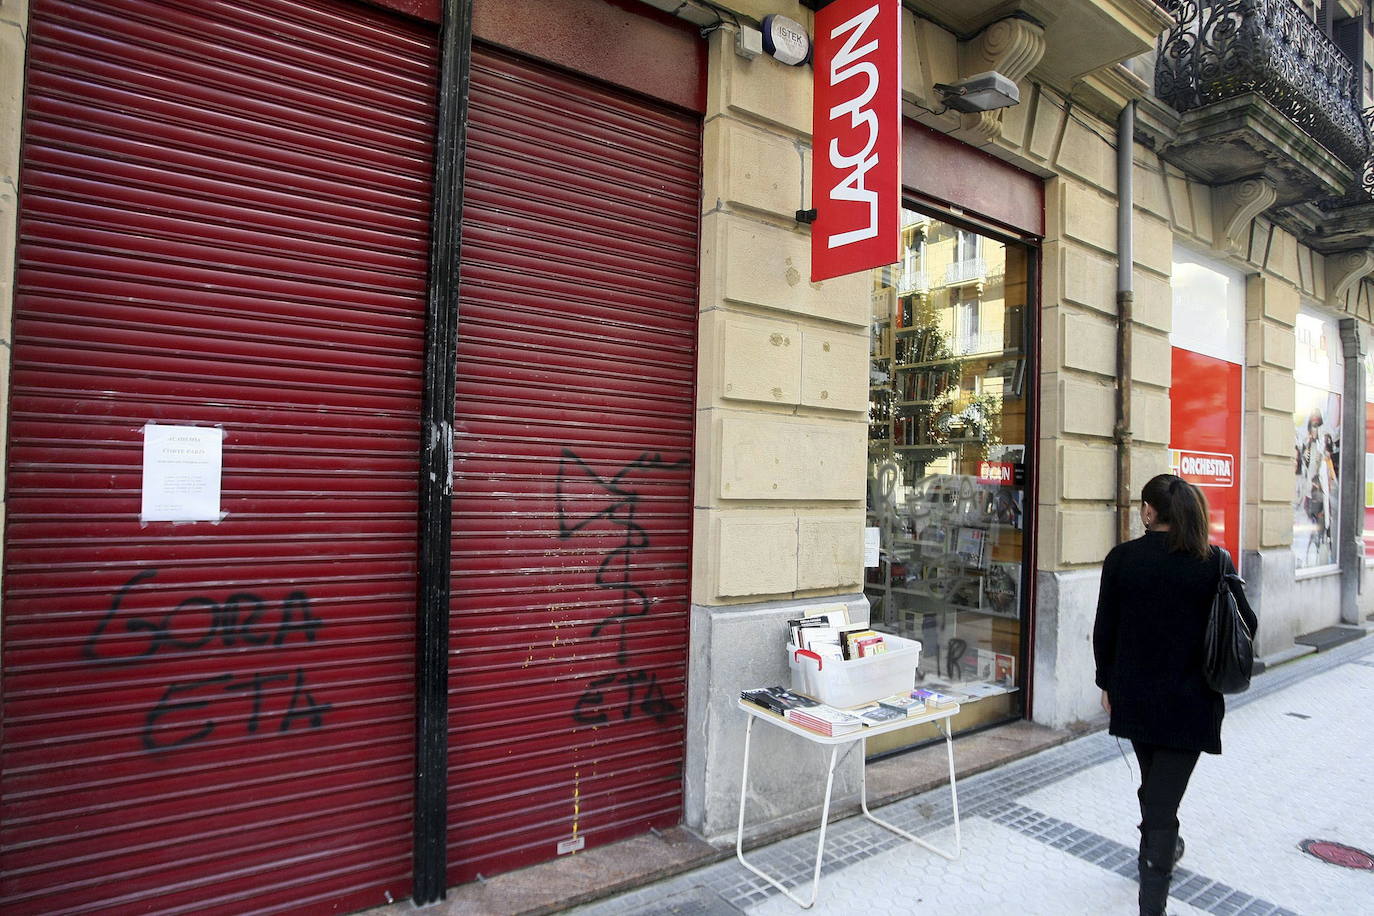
(878, 714)
(904, 703)
(934, 699)
(825, 719)
(777, 699)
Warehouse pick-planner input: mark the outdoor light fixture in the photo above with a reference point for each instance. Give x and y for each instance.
(980, 92)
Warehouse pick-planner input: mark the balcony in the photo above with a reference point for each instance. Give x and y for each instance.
(1084, 35)
(1261, 91)
(912, 283)
(969, 270)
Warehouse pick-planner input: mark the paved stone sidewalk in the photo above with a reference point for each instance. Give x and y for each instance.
(1055, 833)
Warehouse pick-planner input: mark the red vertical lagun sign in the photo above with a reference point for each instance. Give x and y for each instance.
(856, 137)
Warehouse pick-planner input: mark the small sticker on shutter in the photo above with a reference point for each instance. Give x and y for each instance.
(572, 845)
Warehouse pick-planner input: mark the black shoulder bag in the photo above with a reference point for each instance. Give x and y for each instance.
(1228, 646)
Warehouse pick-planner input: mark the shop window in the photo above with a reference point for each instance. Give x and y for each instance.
(1368, 533)
(948, 444)
(1206, 400)
(1319, 378)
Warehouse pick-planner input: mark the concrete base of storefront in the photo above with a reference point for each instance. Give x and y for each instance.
(734, 648)
(586, 876)
(1278, 658)
(1064, 669)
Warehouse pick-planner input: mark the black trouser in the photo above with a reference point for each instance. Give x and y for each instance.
(1164, 774)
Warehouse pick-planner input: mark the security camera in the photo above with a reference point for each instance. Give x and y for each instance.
(980, 92)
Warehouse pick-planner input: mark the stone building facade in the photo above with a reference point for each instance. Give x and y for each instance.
(782, 463)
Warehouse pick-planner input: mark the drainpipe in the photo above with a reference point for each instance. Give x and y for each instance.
(1125, 301)
(1353, 445)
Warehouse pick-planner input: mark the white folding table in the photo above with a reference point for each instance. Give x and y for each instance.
(940, 716)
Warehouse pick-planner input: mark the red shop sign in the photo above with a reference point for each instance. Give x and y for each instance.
(857, 137)
(1001, 473)
(1204, 469)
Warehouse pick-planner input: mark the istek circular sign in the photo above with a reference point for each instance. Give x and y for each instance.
(786, 40)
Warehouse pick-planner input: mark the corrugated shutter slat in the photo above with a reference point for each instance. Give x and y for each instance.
(572, 511)
(224, 221)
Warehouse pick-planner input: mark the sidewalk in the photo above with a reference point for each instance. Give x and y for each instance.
(1054, 833)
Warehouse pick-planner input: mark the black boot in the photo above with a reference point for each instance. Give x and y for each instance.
(1157, 855)
(1178, 847)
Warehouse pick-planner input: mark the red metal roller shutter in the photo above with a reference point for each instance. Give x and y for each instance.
(224, 221)
(572, 516)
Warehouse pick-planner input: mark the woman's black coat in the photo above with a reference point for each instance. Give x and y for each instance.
(1151, 614)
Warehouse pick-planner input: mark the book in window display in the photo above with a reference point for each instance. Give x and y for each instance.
(1008, 507)
(972, 547)
(1003, 589)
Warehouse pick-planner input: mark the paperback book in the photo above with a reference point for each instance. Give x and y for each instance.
(825, 719)
(934, 699)
(878, 714)
(777, 699)
(861, 643)
(906, 704)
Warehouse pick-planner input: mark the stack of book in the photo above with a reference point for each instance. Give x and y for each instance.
(777, 699)
(831, 635)
(934, 699)
(904, 703)
(878, 714)
(825, 719)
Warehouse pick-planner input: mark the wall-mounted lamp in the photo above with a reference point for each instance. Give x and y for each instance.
(980, 92)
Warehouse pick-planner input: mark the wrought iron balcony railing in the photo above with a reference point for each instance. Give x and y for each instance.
(969, 270)
(1367, 177)
(1220, 49)
(912, 282)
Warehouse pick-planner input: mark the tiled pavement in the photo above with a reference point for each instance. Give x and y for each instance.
(1055, 833)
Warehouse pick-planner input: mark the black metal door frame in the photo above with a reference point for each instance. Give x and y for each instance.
(430, 853)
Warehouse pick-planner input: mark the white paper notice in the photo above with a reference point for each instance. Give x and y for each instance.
(181, 473)
(870, 547)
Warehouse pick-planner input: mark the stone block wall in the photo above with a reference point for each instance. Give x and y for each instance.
(782, 394)
(781, 435)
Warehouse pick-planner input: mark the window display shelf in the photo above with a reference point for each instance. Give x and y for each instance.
(949, 360)
(926, 447)
(945, 607)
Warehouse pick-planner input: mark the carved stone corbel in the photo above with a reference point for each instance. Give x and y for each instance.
(1344, 270)
(1012, 47)
(1234, 206)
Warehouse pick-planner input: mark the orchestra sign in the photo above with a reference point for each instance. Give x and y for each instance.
(1203, 469)
(857, 137)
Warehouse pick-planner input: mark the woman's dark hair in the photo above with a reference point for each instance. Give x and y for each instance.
(1182, 507)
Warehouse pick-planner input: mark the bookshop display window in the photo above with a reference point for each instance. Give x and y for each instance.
(948, 451)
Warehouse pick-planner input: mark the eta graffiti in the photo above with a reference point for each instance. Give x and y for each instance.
(190, 710)
(613, 501)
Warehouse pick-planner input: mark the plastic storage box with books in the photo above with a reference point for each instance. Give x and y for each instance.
(857, 680)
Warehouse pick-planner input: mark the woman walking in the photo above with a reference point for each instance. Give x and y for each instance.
(1152, 612)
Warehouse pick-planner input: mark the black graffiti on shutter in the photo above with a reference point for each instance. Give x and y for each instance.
(627, 689)
(186, 711)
